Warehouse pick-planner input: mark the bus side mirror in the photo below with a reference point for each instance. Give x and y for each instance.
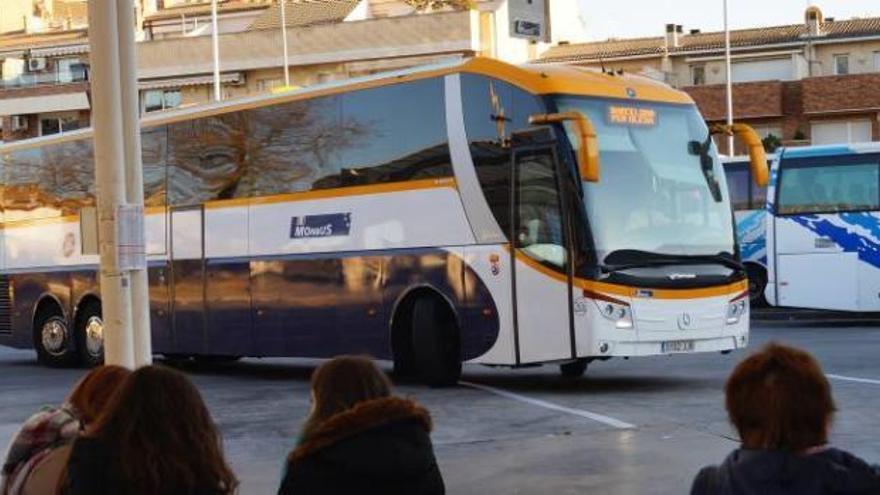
(588, 143)
(757, 155)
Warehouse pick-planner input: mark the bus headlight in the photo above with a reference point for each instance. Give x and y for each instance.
(736, 310)
(620, 314)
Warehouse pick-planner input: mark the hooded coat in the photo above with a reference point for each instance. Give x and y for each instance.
(766, 472)
(380, 445)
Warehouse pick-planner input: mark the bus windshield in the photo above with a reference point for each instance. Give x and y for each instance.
(662, 188)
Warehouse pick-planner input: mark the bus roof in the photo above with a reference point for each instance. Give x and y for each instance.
(543, 79)
(829, 150)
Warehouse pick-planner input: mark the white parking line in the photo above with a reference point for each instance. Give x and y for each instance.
(853, 379)
(615, 423)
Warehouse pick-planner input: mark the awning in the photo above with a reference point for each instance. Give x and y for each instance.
(179, 82)
(44, 103)
(60, 51)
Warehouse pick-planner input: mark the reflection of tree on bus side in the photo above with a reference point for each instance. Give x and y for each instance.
(264, 151)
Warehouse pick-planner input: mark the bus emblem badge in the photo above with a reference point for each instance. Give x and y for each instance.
(69, 245)
(685, 321)
(495, 264)
(631, 92)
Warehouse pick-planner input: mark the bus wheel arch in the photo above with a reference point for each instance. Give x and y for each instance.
(53, 336)
(89, 330)
(425, 337)
(757, 283)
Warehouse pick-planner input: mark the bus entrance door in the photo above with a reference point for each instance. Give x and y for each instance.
(187, 285)
(541, 279)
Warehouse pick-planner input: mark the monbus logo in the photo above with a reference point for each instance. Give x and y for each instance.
(329, 225)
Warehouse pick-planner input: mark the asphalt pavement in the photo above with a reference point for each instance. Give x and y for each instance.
(642, 425)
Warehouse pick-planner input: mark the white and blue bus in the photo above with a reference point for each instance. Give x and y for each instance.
(823, 228)
(433, 216)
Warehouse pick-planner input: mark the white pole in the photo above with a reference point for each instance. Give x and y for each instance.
(134, 180)
(110, 180)
(216, 41)
(729, 77)
(284, 42)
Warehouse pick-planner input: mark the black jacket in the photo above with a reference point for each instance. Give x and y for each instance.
(93, 469)
(764, 472)
(379, 446)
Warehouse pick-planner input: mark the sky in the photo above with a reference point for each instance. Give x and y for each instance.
(636, 18)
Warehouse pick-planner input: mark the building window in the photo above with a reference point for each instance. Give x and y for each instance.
(70, 70)
(58, 124)
(841, 65)
(161, 99)
(698, 75)
(266, 85)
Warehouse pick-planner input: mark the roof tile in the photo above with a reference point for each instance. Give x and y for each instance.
(754, 37)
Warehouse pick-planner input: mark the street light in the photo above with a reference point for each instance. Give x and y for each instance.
(283, 4)
(729, 78)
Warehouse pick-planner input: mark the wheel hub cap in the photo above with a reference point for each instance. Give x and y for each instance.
(95, 336)
(54, 336)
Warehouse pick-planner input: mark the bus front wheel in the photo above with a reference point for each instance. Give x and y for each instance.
(435, 342)
(574, 369)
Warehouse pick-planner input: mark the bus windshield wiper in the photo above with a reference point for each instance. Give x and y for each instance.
(626, 259)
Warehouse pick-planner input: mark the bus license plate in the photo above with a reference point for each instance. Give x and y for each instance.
(677, 346)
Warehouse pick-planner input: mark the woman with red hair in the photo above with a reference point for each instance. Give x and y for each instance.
(780, 402)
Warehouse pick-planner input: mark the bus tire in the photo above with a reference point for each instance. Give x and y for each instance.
(53, 340)
(757, 285)
(574, 369)
(90, 334)
(435, 342)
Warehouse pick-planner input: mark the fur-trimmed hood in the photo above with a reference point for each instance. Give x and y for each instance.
(387, 438)
(363, 416)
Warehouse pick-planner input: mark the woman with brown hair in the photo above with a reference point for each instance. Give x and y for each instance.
(39, 450)
(156, 437)
(359, 437)
(780, 402)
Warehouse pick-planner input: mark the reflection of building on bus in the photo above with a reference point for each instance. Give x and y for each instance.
(417, 216)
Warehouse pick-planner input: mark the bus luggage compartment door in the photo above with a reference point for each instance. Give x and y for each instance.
(188, 279)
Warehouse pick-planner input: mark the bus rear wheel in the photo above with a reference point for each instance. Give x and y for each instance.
(435, 342)
(53, 339)
(574, 369)
(90, 334)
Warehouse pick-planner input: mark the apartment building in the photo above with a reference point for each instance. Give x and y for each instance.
(817, 82)
(45, 86)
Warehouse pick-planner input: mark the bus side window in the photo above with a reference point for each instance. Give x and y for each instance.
(493, 111)
(400, 132)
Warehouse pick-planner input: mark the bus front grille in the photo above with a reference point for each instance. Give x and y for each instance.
(5, 306)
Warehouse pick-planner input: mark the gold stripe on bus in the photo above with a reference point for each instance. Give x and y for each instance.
(31, 222)
(338, 192)
(604, 288)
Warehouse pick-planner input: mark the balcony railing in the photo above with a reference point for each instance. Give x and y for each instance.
(34, 79)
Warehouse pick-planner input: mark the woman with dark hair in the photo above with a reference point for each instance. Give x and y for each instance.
(39, 450)
(780, 402)
(156, 437)
(359, 437)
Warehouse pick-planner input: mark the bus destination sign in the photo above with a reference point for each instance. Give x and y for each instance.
(619, 115)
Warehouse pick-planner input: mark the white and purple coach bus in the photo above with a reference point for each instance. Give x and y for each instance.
(440, 215)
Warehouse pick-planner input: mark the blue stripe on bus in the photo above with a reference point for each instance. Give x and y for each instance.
(868, 249)
(314, 305)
